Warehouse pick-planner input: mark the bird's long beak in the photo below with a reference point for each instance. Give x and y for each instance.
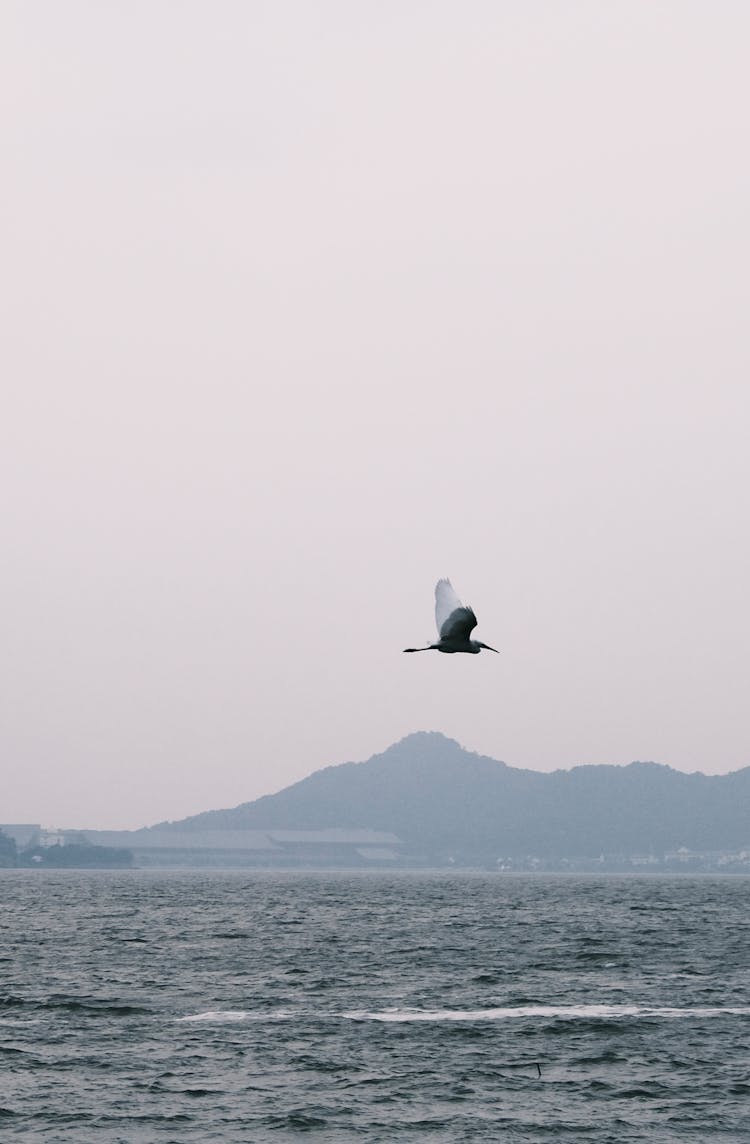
(487, 646)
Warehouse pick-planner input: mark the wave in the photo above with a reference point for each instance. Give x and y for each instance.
(95, 1006)
(226, 1016)
(562, 1012)
(515, 1012)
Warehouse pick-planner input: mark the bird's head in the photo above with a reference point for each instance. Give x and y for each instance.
(486, 646)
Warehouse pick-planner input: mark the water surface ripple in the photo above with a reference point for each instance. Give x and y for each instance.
(173, 1007)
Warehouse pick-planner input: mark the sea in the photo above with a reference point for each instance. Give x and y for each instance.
(244, 1006)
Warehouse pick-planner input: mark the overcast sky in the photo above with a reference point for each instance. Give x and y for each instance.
(307, 304)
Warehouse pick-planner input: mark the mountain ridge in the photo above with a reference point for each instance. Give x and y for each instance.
(435, 795)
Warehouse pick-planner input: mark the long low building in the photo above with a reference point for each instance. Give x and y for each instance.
(337, 847)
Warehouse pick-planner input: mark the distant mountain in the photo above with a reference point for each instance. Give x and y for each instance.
(440, 799)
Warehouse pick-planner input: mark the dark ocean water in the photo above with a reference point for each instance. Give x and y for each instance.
(228, 1007)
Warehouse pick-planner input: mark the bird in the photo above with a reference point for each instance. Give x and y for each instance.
(455, 623)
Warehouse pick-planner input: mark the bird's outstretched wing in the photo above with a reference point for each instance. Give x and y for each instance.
(459, 625)
(446, 601)
(452, 618)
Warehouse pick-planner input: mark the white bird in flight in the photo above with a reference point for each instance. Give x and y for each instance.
(455, 623)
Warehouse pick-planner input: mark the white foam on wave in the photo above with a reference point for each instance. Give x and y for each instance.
(218, 1015)
(564, 1012)
(508, 1013)
(225, 1016)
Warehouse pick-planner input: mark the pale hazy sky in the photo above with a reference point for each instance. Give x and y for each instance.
(306, 304)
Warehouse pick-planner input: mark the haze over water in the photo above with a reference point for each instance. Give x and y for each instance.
(309, 303)
(306, 305)
(184, 1007)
